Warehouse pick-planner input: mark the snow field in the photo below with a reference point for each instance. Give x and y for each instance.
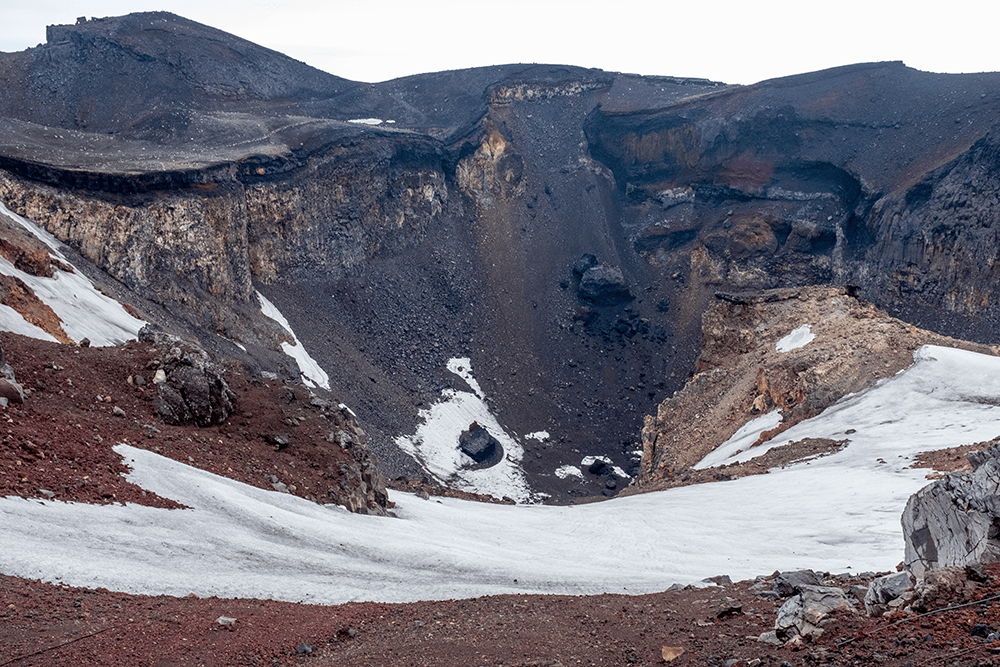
(837, 513)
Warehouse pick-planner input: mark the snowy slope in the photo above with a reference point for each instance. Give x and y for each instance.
(312, 373)
(84, 311)
(837, 513)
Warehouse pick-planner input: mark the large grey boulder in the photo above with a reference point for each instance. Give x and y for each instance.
(955, 520)
(885, 591)
(802, 614)
(9, 387)
(787, 584)
(604, 286)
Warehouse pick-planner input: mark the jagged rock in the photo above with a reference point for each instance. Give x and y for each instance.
(882, 592)
(801, 615)
(585, 262)
(193, 390)
(955, 520)
(478, 443)
(787, 584)
(604, 285)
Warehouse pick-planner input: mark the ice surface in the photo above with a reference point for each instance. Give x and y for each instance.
(799, 337)
(84, 311)
(312, 373)
(435, 444)
(740, 441)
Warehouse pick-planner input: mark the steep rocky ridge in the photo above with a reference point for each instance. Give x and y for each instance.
(454, 230)
(742, 373)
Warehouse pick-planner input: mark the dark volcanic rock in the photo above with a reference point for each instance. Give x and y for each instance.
(479, 444)
(585, 262)
(605, 286)
(194, 391)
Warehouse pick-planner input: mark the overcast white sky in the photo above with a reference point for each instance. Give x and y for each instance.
(734, 41)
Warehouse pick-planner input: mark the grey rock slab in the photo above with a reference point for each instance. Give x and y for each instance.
(952, 520)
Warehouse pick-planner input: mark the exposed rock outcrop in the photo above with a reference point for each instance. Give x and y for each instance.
(742, 373)
(192, 389)
(955, 521)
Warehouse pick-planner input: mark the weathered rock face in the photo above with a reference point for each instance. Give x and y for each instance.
(190, 388)
(955, 521)
(800, 617)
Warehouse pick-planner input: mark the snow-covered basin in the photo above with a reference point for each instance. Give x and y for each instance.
(839, 513)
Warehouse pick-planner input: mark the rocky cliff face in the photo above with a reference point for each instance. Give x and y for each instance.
(455, 230)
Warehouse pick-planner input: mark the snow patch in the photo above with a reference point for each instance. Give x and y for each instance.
(540, 436)
(562, 472)
(366, 121)
(84, 311)
(797, 338)
(312, 373)
(462, 367)
(11, 320)
(435, 444)
(741, 442)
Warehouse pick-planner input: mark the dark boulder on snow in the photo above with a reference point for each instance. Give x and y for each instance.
(479, 444)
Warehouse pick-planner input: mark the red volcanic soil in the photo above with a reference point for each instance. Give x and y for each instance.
(59, 442)
(45, 624)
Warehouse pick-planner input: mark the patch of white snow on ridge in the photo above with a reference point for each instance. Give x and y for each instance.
(85, 312)
(366, 121)
(462, 367)
(540, 436)
(943, 399)
(562, 472)
(311, 371)
(435, 444)
(741, 441)
(799, 337)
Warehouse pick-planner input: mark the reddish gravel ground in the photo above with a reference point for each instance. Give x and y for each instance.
(59, 441)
